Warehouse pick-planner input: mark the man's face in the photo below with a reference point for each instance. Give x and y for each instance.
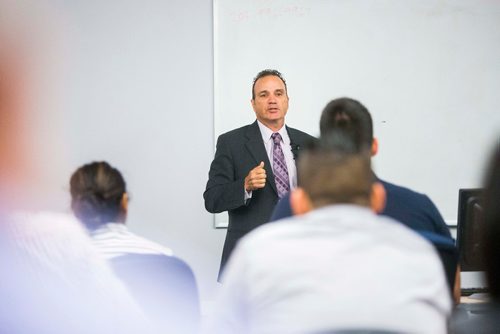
(271, 101)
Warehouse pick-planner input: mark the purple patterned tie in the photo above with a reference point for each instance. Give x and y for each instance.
(279, 167)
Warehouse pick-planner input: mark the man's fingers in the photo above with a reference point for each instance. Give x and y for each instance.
(258, 184)
(259, 172)
(258, 178)
(257, 181)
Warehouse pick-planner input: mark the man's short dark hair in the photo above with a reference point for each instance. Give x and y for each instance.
(265, 73)
(351, 117)
(333, 170)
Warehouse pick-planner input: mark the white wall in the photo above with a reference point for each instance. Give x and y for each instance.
(139, 94)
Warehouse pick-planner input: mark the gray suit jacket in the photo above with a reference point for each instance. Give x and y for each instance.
(238, 152)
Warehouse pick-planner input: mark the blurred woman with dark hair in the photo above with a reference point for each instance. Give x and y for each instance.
(163, 285)
(486, 317)
(99, 200)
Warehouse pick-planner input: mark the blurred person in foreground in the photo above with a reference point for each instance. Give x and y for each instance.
(53, 280)
(163, 285)
(491, 235)
(485, 318)
(336, 265)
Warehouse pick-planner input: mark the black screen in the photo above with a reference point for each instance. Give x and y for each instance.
(469, 229)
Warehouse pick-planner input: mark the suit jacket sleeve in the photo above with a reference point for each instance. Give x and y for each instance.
(223, 192)
(440, 226)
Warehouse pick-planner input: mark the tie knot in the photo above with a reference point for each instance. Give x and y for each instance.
(276, 138)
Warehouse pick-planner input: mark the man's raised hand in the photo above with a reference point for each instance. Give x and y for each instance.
(256, 178)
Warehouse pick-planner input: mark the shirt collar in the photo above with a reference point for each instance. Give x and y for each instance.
(266, 132)
(111, 226)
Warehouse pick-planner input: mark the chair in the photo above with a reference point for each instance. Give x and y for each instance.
(448, 254)
(165, 288)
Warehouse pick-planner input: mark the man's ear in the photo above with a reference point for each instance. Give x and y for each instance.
(374, 146)
(300, 202)
(377, 197)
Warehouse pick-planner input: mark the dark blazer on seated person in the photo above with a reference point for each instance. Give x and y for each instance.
(238, 152)
(413, 209)
(164, 287)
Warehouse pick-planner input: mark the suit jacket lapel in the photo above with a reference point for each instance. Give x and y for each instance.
(258, 151)
(295, 145)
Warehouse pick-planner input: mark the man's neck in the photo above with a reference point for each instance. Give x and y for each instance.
(273, 126)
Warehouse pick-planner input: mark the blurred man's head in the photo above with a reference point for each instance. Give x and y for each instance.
(491, 216)
(31, 143)
(351, 117)
(334, 171)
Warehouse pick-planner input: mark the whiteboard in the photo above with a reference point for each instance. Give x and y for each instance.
(428, 71)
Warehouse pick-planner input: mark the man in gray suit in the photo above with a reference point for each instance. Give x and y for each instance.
(255, 165)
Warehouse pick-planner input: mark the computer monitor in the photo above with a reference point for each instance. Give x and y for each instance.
(469, 241)
(469, 229)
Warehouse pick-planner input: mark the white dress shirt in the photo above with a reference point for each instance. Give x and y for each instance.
(339, 267)
(114, 239)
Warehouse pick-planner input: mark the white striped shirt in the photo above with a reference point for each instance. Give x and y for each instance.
(114, 239)
(55, 281)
